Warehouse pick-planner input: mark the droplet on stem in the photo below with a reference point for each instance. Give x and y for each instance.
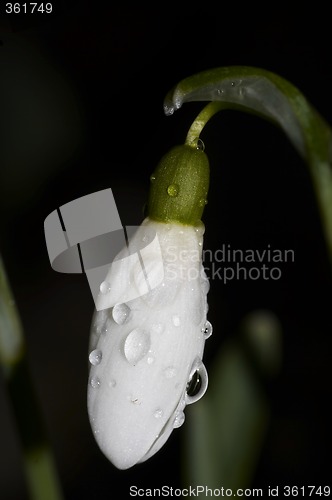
(173, 190)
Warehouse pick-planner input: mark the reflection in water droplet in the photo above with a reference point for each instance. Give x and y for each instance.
(170, 372)
(120, 313)
(137, 345)
(176, 320)
(199, 376)
(95, 357)
(104, 287)
(173, 190)
(158, 413)
(200, 144)
(207, 329)
(179, 419)
(95, 382)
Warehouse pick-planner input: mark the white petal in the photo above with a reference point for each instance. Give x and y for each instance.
(148, 347)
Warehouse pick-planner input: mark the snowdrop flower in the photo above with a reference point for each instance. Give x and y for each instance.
(146, 352)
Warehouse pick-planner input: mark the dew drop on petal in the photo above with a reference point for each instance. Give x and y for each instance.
(136, 346)
(120, 313)
(207, 329)
(105, 287)
(205, 286)
(95, 382)
(176, 320)
(197, 383)
(152, 178)
(158, 413)
(179, 419)
(95, 357)
(157, 328)
(150, 360)
(173, 190)
(202, 202)
(170, 372)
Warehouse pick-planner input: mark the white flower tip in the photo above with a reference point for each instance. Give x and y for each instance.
(146, 353)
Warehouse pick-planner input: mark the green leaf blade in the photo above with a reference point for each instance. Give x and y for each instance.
(274, 98)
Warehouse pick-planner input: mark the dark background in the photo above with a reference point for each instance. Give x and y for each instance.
(82, 93)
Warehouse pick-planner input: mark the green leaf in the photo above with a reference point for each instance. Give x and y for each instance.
(272, 97)
(227, 428)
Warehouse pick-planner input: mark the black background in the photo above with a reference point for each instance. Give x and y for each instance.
(118, 63)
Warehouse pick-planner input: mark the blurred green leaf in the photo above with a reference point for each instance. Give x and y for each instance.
(226, 429)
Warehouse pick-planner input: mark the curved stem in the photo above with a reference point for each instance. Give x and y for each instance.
(201, 120)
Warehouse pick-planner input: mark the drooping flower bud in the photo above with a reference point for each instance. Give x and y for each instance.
(146, 352)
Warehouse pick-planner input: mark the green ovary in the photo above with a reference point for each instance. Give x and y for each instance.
(179, 186)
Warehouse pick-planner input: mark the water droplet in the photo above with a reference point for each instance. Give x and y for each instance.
(170, 372)
(176, 320)
(220, 91)
(200, 145)
(150, 360)
(241, 91)
(179, 419)
(157, 328)
(158, 413)
(152, 178)
(200, 229)
(104, 328)
(112, 383)
(137, 345)
(207, 329)
(205, 286)
(95, 382)
(95, 357)
(198, 382)
(104, 287)
(202, 202)
(120, 313)
(173, 190)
